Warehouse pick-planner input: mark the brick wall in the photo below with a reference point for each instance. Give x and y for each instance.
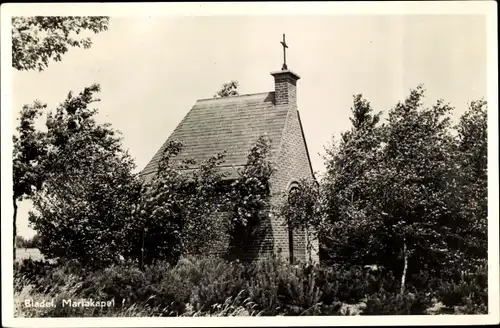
(285, 90)
(292, 161)
(292, 165)
(272, 236)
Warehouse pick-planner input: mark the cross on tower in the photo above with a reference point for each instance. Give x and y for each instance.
(283, 43)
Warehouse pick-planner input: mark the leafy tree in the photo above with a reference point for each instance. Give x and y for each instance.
(302, 210)
(345, 189)
(38, 39)
(362, 118)
(248, 200)
(190, 208)
(22, 242)
(28, 157)
(472, 148)
(416, 187)
(88, 189)
(178, 210)
(34, 242)
(228, 90)
(392, 192)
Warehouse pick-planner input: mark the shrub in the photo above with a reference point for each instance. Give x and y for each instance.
(218, 281)
(134, 310)
(280, 288)
(37, 273)
(215, 287)
(124, 284)
(22, 242)
(233, 306)
(469, 294)
(351, 284)
(384, 303)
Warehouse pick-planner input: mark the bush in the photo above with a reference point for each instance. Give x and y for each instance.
(124, 284)
(218, 281)
(280, 288)
(384, 303)
(201, 283)
(351, 284)
(215, 287)
(136, 309)
(37, 273)
(469, 294)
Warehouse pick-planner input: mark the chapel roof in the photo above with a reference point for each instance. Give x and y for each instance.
(232, 124)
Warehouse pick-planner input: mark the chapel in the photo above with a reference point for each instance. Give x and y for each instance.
(233, 124)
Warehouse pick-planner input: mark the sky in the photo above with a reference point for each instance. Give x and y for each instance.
(153, 69)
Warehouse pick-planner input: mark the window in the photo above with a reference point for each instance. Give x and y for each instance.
(293, 189)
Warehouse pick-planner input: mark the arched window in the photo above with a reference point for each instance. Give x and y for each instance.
(294, 187)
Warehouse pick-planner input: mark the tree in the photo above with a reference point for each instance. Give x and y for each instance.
(302, 208)
(472, 150)
(28, 157)
(362, 117)
(416, 186)
(188, 207)
(88, 189)
(248, 200)
(34, 242)
(178, 211)
(38, 39)
(393, 191)
(228, 90)
(22, 242)
(347, 217)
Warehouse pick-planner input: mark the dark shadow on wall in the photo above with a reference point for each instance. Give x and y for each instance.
(250, 243)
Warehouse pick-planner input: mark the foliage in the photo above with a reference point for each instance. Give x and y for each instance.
(472, 149)
(214, 287)
(415, 185)
(280, 288)
(248, 199)
(352, 284)
(38, 39)
(29, 149)
(249, 193)
(362, 118)
(396, 304)
(394, 190)
(189, 208)
(178, 211)
(216, 281)
(35, 41)
(302, 209)
(345, 187)
(229, 89)
(88, 188)
(469, 292)
(35, 273)
(32, 242)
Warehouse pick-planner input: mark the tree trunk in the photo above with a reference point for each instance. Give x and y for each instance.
(403, 277)
(15, 226)
(141, 264)
(308, 246)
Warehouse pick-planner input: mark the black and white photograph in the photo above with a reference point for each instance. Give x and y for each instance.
(260, 161)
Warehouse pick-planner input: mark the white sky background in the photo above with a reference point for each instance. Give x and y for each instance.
(152, 70)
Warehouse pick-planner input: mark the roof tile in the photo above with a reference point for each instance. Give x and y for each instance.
(232, 124)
